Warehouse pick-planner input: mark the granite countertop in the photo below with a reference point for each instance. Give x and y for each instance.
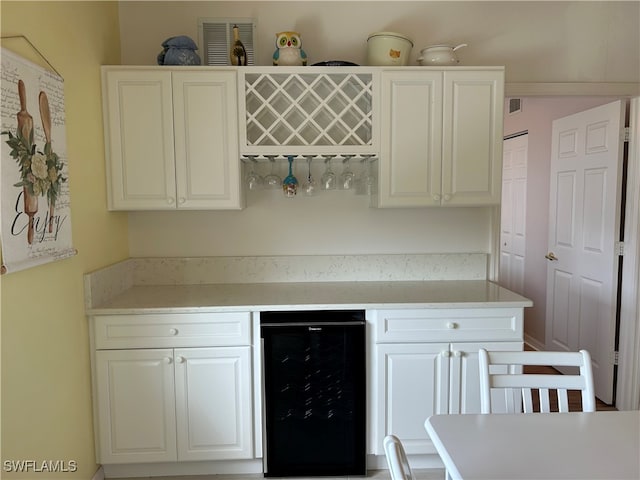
(309, 295)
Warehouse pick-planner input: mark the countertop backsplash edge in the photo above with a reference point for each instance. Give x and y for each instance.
(103, 284)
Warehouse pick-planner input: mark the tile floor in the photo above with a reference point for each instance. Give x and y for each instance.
(420, 474)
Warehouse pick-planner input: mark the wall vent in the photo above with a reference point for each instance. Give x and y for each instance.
(216, 36)
(515, 105)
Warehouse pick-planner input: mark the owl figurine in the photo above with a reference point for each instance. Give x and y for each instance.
(289, 51)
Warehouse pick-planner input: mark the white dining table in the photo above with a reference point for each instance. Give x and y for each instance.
(602, 445)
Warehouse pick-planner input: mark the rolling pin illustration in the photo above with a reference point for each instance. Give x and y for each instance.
(25, 127)
(45, 115)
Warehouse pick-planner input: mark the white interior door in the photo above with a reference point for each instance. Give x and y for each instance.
(584, 222)
(514, 209)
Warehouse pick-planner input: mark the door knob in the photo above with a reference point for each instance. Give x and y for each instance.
(550, 256)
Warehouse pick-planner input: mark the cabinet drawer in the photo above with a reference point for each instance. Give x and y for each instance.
(448, 325)
(172, 330)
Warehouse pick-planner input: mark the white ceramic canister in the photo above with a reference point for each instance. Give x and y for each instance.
(388, 49)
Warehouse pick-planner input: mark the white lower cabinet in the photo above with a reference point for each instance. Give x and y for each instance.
(172, 404)
(213, 407)
(412, 384)
(136, 406)
(415, 378)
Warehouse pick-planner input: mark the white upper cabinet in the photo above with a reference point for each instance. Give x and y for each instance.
(171, 138)
(318, 110)
(441, 137)
(205, 109)
(174, 136)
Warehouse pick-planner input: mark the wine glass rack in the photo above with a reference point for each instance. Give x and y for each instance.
(317, 111)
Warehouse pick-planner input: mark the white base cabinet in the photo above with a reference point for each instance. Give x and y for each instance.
(183, 389)
(173, 404)
(417, 373)
(136, 406)
(214, 411)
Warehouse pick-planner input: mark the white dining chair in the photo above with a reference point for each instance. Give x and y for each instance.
(396, 459)
(504, 371)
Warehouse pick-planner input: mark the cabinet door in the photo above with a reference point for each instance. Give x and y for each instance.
(206, 139)
(464, 386)
(411, 139)
(136, 406)
(472, 137)
(213, 403)
(413, 384)
(138, 118)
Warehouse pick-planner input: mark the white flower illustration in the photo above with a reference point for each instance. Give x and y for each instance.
(39, 166)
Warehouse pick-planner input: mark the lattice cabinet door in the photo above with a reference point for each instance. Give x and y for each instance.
(311, 110)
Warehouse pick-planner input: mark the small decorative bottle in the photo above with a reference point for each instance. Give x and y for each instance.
(238, 54)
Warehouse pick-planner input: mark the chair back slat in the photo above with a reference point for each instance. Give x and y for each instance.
(527, 401)
(563, 400)
(503, 371)
(545, 404)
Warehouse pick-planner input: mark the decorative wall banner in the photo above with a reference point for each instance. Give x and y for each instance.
(34, 180)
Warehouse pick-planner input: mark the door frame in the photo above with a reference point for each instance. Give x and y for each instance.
(628, 389)
(628, 384)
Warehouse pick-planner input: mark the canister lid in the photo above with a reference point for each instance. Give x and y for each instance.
(390, 34)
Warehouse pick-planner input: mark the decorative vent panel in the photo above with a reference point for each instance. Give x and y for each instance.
(315, 109)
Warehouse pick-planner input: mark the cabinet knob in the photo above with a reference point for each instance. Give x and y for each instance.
(452, 325)
(436, 198)
(446, 353)
(181, 359)
(447, 197)
(168, 360)
(458, 353)
(173, 331)
(181, 200)
(170, 200)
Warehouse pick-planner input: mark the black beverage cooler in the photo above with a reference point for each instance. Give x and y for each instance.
(314, 370)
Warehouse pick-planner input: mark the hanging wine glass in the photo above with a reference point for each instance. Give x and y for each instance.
(347, 176)
(366, 184)
(290, 183)
(253, 180)
(310, 186)
(328, 179)
(273, 180)
(370, 181)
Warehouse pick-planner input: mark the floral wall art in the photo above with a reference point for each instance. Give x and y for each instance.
(34, 180)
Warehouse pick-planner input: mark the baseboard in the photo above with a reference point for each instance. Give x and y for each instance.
(99, 475)
(226, 467)
(533, 343)
(427, 461)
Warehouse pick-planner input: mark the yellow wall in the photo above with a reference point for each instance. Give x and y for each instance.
(46, 387)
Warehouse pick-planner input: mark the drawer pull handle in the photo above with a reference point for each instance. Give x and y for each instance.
(452, 325)
(173, 331)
